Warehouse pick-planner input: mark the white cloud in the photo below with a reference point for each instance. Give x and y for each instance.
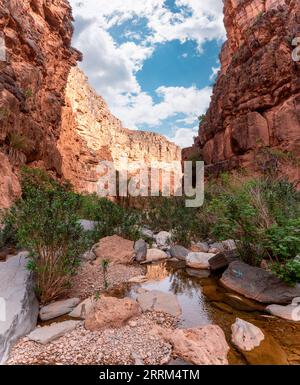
(112, 67)
(184, 137)
(214, 73)
(140, 109)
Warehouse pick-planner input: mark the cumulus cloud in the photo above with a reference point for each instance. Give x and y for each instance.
(184, 137)
(112, 67)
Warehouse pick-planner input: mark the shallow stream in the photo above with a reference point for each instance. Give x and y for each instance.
(204, 301)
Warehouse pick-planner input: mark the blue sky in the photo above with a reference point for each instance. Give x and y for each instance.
(154, 61)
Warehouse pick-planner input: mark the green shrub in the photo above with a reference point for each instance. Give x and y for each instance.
(171, 214)
(263, 215)
(47, 226)
(288, 272)
(7, 230)
(111, 218)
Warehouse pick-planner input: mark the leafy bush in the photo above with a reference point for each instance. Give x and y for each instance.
(288, 272)
(263, 214)
(7, 231)
(171, 214)
(46, 224)
(111, 219)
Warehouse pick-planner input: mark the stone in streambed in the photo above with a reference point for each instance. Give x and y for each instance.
(140, 250)
(245, 335)
(46, 334)
(163, 239)
(155, 255)
(199, 260)
(115, 249)
(204, 345)
(84, 308)
(289, 312)
(197, 273)
(58, 308)
(159, 301)
(257, 347)
(258, 284)
(111, 312)
(179, 252)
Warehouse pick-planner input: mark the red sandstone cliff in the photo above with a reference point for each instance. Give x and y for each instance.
(91, 133)
(256, 98)
(33, 74)
(49, 116)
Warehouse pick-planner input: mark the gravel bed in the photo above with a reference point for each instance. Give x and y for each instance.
(134, 343)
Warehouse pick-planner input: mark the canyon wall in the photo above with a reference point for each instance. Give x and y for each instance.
(91, 133)
(36, 57)
(49, 116)
(256, 98)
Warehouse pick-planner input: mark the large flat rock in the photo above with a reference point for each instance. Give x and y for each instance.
(258, 284)
(159, 301)
(199, 260)
(203, 345)
(46, 334)
(18, 304)
(58, 308)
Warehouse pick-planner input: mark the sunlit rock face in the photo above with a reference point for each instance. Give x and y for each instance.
(90, 133)
(256, 98)
(49, 116)
(36, 57)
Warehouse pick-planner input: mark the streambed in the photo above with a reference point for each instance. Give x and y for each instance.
(204, 301)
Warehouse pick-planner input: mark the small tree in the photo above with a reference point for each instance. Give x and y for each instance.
(47, 226)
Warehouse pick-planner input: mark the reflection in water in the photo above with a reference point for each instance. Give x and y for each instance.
(195, 309)
(157, 272)
(198, 309)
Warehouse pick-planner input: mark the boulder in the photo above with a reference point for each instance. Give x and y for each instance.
(159, 301)
(217, 247)
(111, 312)
(197, 273)
(229, 244)
(222, 259)
(258, 284)
(147, 233)
(163, 239)
(155, 255)
(179, 252)
(202, 247)
(257, 347)
(140, 250)
(115, 249)
(46, 334)
(58, 308)
(198, 260)
(18, 304)
(84, 308)
(246, 336)
(204, 345)
(290, 312)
